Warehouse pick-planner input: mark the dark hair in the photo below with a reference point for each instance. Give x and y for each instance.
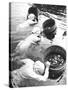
(50, 35)
(49, 23)
(49, 28)
(33, 10)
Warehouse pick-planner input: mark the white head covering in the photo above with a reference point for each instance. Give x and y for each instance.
(37, 31)
(39, 67)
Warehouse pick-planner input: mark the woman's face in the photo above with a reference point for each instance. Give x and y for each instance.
(31, 16)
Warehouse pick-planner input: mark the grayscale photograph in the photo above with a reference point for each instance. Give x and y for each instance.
(37, 44)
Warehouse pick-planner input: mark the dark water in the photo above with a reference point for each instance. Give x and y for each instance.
(54, 9)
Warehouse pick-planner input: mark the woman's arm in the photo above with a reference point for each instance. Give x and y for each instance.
(41, 77)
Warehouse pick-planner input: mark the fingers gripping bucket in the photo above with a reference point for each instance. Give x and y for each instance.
(58, 64)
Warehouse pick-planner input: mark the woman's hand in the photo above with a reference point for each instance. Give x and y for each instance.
(47, 64)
